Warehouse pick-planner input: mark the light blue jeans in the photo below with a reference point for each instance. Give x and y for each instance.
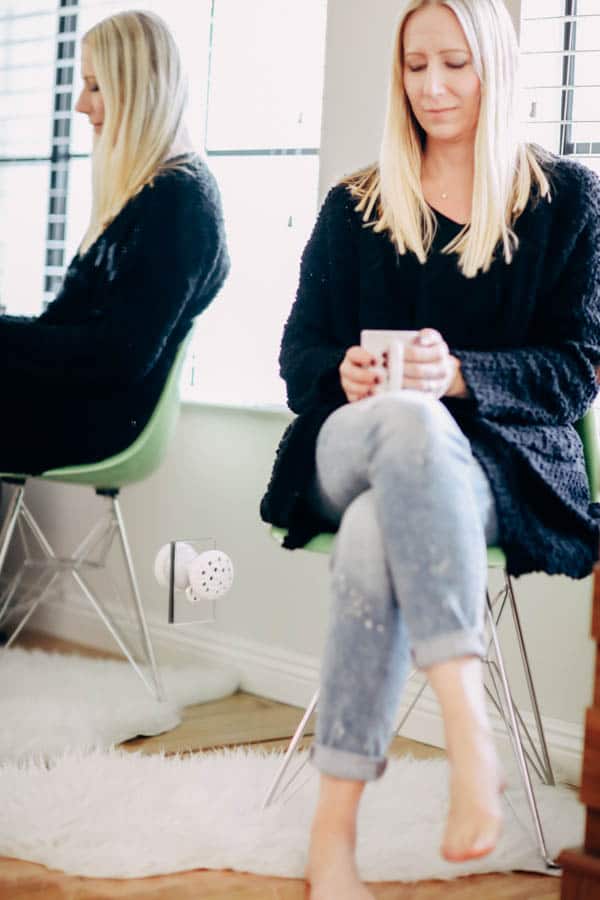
(415, 512)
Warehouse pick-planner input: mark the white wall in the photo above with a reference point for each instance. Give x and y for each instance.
(220, 460)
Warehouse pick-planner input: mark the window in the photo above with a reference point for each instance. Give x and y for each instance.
(560, 42)
(28, 50)
(256, 75)
(262, 141)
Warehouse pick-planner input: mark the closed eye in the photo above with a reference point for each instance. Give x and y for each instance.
(448, 66)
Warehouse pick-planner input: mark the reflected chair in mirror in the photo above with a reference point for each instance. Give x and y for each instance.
(530, 753)
(22, 598)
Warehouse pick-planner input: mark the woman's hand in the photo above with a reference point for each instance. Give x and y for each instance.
(357, 375)
(429, 367)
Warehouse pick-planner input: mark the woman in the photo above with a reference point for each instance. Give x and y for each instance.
(85, 376)
(490, 249)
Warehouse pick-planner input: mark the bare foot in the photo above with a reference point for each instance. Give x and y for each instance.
(476, 785)
(331, 871)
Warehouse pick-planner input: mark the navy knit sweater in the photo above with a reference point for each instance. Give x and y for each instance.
(81, 380)
(528, 338)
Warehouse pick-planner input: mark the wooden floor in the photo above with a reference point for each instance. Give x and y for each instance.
(242, 719)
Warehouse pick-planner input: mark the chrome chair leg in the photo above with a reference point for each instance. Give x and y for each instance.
(271, 793)
(138, 600)
(414, 702)
(18, 512)
(17, 515)
(85, 589)
(517, 743)
(38, 533)
(8, 594)
(36, 603)
(530, 686)
(495, 698)
(10, 520)
(539, 756)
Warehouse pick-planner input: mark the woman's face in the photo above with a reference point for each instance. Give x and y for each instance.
(90, 101)
(440, 81)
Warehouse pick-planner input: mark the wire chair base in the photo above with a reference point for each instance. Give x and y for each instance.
(90, 555)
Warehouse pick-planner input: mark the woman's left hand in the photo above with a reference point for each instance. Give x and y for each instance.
(429, 367)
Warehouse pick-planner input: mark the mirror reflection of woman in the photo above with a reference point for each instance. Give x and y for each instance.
(490, 248)
(85, 375)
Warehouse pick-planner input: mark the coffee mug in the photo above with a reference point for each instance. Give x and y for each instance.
(379, 341)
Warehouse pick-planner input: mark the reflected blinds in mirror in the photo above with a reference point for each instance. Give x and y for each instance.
(28, 74)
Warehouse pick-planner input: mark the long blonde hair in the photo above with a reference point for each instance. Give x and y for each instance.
(138, 70)
(506, 169)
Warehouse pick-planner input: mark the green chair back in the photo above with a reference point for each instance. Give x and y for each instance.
(588, 432)
(145, 455)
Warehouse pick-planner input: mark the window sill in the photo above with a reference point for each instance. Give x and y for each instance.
(277, 408)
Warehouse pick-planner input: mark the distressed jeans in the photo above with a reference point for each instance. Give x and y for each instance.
(414, 512)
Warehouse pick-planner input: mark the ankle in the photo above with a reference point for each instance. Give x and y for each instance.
(468, 733)
(328, 827)
(337, 807)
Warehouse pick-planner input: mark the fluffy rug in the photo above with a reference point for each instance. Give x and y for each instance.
(51, 703)
(119, 815)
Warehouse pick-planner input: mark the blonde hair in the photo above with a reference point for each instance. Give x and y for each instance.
(506, 169)
(138, 71)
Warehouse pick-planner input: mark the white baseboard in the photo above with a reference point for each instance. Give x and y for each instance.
(286, 676)
(265, 670)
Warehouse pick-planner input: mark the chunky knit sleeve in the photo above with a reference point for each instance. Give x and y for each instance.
(310, 355)
(552, 380)
(126, 297)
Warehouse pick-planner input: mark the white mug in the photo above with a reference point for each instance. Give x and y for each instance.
(379, 341)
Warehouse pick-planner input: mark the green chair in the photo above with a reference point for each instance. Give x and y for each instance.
(107, 477)
(524, 747)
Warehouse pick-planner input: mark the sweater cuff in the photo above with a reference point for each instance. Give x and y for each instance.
(482, 380)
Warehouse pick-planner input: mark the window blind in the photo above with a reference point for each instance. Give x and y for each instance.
(27, 53)
(560, 42)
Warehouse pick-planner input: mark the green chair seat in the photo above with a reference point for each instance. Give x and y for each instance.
(323, 543)
(587, 429)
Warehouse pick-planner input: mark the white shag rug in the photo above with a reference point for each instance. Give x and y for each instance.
(119, 815)
(51, 703)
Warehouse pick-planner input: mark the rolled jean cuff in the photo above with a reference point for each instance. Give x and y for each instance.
(342, 764)
(453, 645)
